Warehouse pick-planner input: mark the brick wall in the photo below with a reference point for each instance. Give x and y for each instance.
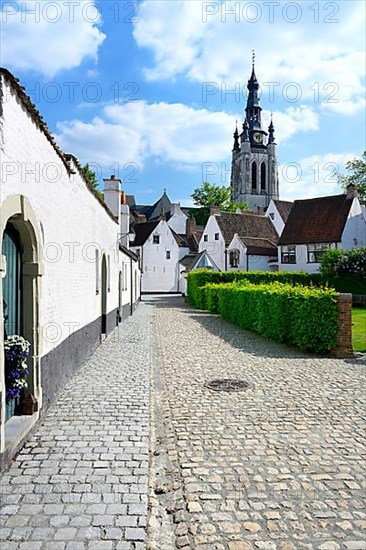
(344, 338)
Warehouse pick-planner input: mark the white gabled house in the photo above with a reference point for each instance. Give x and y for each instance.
(278, 212)
(315, 225)
(250, 253)
(245, 241)
(159, 252)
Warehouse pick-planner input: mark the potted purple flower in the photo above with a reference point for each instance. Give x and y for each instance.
(16, 371)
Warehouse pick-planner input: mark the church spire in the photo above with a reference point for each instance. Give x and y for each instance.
(245, 133)
(271, 130)
(253, 109)
(236, 139)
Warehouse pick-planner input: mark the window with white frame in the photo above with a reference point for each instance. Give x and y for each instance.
(288, 254)
(156, 239)
(205, 238)
(217, 236)
(168, 254)
(234, 258)
(316, 251)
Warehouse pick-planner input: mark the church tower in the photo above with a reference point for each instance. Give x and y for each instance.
(254, 172)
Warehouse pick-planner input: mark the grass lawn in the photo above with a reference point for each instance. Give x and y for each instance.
(359, 329)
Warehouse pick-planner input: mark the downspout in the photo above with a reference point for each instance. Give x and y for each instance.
(247, 260)
(225, 258)
(131, 284)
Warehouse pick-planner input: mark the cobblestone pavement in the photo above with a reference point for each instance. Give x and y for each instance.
(80, 483)
(276, 466)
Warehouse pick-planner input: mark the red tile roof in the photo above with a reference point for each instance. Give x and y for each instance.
(247, 224)
(284, 208)
(319, 220)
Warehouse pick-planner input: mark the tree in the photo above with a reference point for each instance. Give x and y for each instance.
(213, 195)
(357, 176)
(91, 177)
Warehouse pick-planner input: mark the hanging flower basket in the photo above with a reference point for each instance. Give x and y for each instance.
(16, 371)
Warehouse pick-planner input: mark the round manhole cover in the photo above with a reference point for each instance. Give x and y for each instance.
(227, 384)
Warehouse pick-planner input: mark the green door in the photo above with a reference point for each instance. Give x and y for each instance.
(12, 287)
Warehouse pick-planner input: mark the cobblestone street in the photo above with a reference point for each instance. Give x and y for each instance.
(81, 481)
(277, 465)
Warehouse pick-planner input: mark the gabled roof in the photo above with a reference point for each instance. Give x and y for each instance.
(259, 246)
(246, 224)
(319, 220)
(202, 259)
(185, 241)
(143, 232)
(284, 208)
(152, 213)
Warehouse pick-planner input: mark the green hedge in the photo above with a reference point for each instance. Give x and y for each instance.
(198, 279)
(304, 317)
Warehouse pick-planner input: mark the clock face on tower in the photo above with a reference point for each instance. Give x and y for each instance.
(257, 137)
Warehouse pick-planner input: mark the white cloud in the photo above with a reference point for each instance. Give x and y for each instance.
(321, 49)
(47, 37)
(313, 176)
(175, 133)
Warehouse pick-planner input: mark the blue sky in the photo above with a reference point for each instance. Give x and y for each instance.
(151, 90)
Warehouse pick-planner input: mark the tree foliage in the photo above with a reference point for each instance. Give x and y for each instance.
(91, 177)
(356, 176)
(213, 195)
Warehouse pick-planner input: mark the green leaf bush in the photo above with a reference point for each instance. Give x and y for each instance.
(196, 280)
(302, 316)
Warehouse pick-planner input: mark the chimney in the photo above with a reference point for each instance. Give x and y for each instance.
(351, 191)
(214, 210)
(112, 190)
(191, 227)
(125, 220)
(140, 218)
(175, 209)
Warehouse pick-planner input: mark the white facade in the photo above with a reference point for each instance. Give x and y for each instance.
(354, 235)
(273, 214)
(74, 273)
(247, 262)
(178, 220)
(159, 261)
(213, 241)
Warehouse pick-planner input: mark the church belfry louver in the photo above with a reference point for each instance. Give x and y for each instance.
(254, 172)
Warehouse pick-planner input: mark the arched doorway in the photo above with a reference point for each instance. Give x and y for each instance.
(104, 284)
(20, 292)
(12, 282)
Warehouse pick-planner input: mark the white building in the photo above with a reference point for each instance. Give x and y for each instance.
(315, 225)
(159, 252)
(66, 278)
(278, 211)
(244, 241)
